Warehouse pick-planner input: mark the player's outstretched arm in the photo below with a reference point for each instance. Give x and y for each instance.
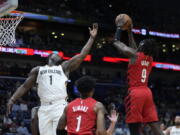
(62, 123)
(100, 125)
(24, 88)
(101, 130)
(75, 61)
(168, 130)
(132, 42)
(130, 52)
(113, 118)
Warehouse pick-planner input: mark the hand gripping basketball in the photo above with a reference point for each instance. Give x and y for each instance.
(124, 22)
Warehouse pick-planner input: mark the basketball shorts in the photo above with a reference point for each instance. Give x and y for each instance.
(49, 115)
(140, 107)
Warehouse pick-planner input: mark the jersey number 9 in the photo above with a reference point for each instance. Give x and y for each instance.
(143, 75)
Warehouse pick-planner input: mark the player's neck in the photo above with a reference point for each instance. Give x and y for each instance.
(84, 97)
(50, 64)
(177, 126)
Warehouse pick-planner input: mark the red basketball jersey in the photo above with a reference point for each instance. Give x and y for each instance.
(138, 73)
(81, 117)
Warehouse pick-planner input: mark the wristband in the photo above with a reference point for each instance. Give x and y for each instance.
(118, 33)
(13, 100)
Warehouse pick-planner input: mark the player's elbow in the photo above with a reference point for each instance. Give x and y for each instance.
(24, 87)
(82, 56)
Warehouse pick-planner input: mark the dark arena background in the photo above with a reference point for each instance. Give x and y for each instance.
(61, 26)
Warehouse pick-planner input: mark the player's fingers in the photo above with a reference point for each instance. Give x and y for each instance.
(89, 28)
(95, 25)
(8, 110)
(9, 107)
(113, 112)
(117, 115)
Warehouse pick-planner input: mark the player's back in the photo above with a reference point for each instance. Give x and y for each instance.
(81, 117)
(51, 82)
(138, 73)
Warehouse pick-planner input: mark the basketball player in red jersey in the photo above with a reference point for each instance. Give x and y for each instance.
(85, 116)
(140, 107)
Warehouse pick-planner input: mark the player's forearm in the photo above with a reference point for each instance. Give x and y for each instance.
(111, 128)
(132, 42)
(19, 93)
(86, 49)
(119, 45)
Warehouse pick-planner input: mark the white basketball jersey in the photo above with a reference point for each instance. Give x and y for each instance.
(51, 82)
(175, 131)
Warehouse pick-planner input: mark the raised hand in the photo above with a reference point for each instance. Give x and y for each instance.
(93, 32)
(9, 106)
(114, 116)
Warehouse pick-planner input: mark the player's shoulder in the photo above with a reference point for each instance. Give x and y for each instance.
(35, 70)
(99, 106)
(169, 128)
(92, 100)
(73, 102)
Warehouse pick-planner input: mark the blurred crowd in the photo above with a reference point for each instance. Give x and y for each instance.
(33, 39)
(18, 122)
(104, 11)
(111, 93)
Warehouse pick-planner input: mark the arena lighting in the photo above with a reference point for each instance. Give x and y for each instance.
(62, 34)
(165, 35)
(88, 57)
(173, 46)
(161, 65)
(31, 52)
(53, 33)
(164, 45)
(164, 50)
(114, 60)
(45, 53)
(75, 21)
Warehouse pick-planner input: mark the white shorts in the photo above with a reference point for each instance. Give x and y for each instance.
(49, 115)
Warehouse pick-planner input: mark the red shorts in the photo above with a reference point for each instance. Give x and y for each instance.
(140, 107)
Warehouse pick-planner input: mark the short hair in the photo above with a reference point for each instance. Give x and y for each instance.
(149, 47)
(55, 62)
(49, 56)
(85, 84)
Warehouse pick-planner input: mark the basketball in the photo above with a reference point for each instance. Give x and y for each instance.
(124, 21)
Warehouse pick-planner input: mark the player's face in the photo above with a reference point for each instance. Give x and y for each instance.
(56, 59)
(177, 120)
(162, 126)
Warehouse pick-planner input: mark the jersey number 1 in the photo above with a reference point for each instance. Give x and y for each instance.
(78, 123)
(50, 77)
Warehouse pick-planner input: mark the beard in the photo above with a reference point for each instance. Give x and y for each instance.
(177, 123)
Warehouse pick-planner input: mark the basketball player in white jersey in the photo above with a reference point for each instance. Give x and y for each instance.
(174, 130)
(51, 80)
